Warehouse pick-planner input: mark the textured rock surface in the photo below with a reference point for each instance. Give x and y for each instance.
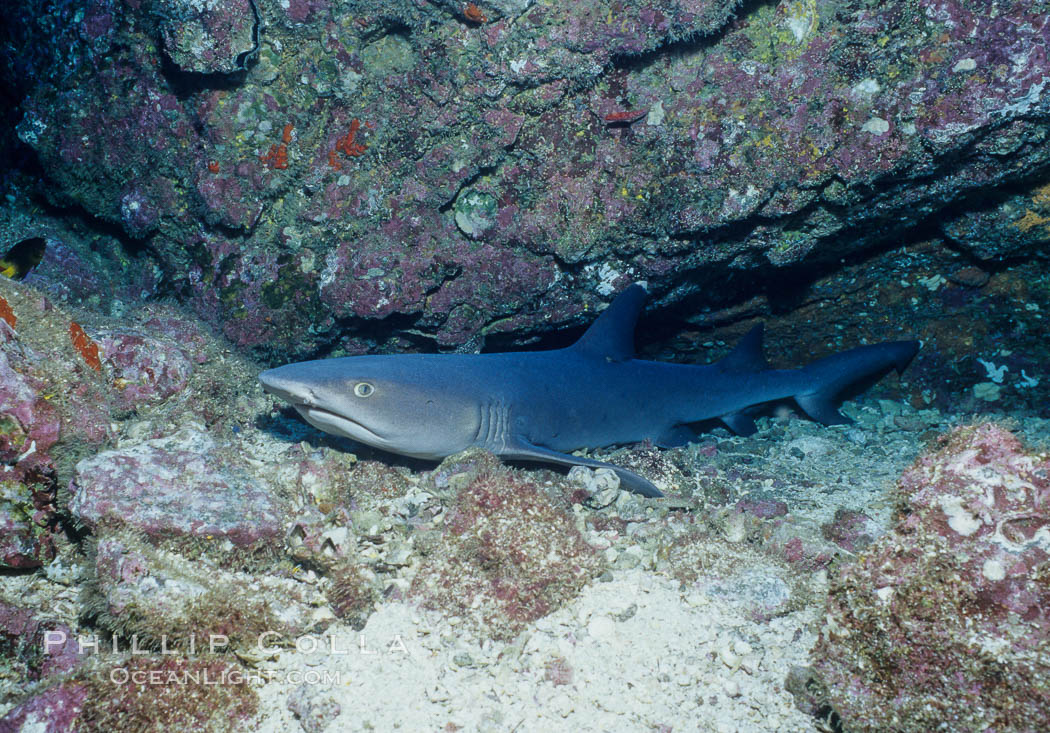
(943, 622)
(313, 708)
(27, 514)
(54, 710)
(1013, 224)
(29, 427)
(34, 418)
(144, 693)
(163, 598)
(209, 37)
(69, 375)
(405, 160)
(154, 693)
(144, 369)
(181, 485)
(509, 554)
(34, 645)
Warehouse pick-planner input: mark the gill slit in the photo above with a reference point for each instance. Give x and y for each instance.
(492, 426)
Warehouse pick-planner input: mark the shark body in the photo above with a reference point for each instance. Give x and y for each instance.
(541, 405)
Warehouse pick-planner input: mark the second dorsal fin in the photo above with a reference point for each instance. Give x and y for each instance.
(747, 356)
(611, 337)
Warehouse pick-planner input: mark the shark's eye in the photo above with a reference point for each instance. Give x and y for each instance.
(363, 389)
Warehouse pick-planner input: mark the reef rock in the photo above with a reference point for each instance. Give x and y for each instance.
(29, 426)
(163, 598)
(209, 36)
(63, 379)
(457, 169)
(34, 421)
(179, 486)
(56, 709)
(943, 622)
(187, 543)
(1008, 225)
(144, 369)
(27, 511)
(142, 693)
(34, 646)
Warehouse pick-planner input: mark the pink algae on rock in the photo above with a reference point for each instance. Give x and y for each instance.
(944, 623)
(33, 645)
(183, 485)
(144, 369)
(61, 706)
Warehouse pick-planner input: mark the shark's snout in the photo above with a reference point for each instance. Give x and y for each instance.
(270, 382)
(320, 406)
(281, 386)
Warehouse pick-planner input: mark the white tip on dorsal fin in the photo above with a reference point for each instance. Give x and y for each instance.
(612, 335)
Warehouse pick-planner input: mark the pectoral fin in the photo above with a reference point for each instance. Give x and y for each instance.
(524, 451)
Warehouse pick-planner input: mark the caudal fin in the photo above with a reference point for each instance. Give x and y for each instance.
(827, 378)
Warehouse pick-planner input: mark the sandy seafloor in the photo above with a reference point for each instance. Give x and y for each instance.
(637, 650)
(644, 656)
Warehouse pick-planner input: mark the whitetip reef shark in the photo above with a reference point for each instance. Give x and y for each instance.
(540, 405)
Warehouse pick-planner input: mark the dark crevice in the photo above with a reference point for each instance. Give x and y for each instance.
(390, 26)
(76, 213)
(483, 171)
(784, 288)
(39, 44)
(245, 57)
(400, 326)
(228, 231)
(80, 219)
(828, 719)
(694, 43)
(22, 161)
(185, 84)
(882, 231)
(709, 289)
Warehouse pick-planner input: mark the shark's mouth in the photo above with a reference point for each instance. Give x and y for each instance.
(333, 422)
(304, 402)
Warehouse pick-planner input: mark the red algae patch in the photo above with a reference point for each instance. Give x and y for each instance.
(509, 555)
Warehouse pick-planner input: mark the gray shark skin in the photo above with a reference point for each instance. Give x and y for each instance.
(541, 405)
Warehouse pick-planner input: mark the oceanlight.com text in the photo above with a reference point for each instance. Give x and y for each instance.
(211, 677)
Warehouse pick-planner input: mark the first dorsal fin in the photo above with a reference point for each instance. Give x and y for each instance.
(747, 356)
(612, 335)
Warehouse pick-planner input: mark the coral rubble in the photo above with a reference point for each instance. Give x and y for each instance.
(943, 621)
